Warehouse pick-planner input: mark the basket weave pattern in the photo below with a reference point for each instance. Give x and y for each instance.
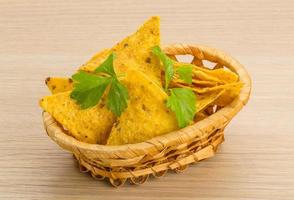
(173, 151)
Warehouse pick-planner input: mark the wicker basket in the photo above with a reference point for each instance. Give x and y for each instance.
(174, 151)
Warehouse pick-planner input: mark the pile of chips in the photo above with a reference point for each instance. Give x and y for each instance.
(147, 115)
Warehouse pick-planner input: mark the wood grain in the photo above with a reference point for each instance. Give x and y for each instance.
(51, 38)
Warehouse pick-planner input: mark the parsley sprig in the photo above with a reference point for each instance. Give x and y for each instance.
(182, 101)
(90, 87)
(167, 63)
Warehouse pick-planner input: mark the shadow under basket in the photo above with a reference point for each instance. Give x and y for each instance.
(173, 151)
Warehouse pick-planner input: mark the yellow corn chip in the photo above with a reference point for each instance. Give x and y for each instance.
(134, 51)
(196, 83)
(58, 84)
(220, 95)
(220, 75)
(204, 100)
(204, 76)
(204, 83)
(223, 75)
(230, 86)
(90, 125)
(146, 115)
(229, 94)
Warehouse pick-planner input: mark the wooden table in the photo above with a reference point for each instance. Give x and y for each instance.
(51, 38)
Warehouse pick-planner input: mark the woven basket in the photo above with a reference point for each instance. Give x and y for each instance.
(173, 151)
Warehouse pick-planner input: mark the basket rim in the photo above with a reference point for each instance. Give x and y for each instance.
(159, 143)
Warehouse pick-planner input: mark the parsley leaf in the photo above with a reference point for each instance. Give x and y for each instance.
(185, 73)
(167, 63)
(88, 89)
(107, 66)
(182, 101)
(117, 97)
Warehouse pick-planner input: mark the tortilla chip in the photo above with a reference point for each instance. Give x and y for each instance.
(134, 51)
(223, 75)
(58, 84)
(146, 115)
(90, 125)
(231, 86)
(220, 75)
(207, 81)
(196, 83)
(230, 94)
(203, 83)
(205, 76)
(220, 95)
(207, 99)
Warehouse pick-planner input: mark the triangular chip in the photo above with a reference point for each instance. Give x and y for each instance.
(90, 125)
(204, 100)
(230, 94)
(58, 84)
(223, 75)
(196, 83)
(230, 86)
(134, 52)
(203, 83)
(146, 115)
(206, 83)
(219, 76)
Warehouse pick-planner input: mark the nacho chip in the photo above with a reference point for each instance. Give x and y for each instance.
(222, 74)
(205, 76)
(209, 81)
(204, 100)
(196, 83)
(58, 84)
(220, 95)
(90, 125)
(231, 86)
(146, 115)
(230, 94)
(134, 51)
(203, 83)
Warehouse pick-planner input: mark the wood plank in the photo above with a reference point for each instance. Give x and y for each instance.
(51, 38)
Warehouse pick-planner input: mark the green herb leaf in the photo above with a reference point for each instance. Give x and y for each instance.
(107, 66)
(167, 63)
(117, 100)
(185, 73)
(88, 89)
(182, 101)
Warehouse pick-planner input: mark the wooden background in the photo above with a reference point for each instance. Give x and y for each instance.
(51, 38)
